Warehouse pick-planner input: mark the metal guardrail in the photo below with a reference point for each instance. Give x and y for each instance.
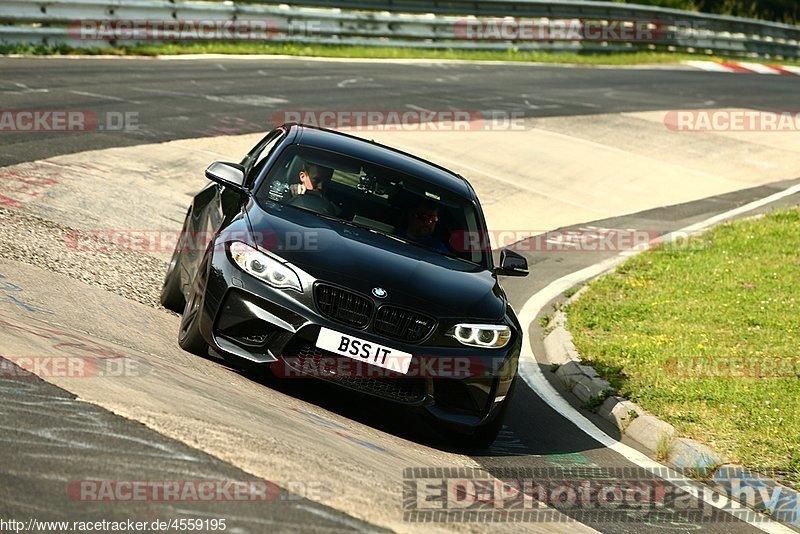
(411, 24)
(587, 9)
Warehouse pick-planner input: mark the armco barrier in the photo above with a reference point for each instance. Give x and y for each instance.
(415, 24)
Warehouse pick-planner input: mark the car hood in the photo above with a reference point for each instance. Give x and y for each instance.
(361, 260)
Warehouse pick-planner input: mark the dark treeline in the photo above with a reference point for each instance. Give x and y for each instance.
(778, 10)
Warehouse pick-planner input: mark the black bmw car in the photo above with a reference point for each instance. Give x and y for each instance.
(325, 255)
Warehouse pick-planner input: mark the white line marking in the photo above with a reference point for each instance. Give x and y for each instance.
(345, 83)
(564, 242)
(741, 209)
(546, 106)
(562, 102)
(425, 63)
(532, 375)
(418, 108)
(102, 97)
(165, 92)
(25, 89)
(338, 517)
(296, 78)
(248, 100)
(709, 66)
(758, 67)
(350, 81)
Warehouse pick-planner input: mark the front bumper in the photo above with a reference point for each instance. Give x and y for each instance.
(460, 387)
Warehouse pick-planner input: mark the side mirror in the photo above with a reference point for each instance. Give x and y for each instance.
(512, 264)
(227, 174)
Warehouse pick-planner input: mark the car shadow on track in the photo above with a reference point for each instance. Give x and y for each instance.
(368, 410)
(532, 428)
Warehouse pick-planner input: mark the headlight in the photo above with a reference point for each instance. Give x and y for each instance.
(492, 336)
(264, 267)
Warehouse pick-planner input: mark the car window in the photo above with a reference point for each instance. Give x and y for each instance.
(255, 161)
(384, 200)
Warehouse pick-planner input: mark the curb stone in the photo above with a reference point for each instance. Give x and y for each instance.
(755, 491)
(759, 492)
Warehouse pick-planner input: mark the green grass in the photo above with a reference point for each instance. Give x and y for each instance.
(374, 52)
(732, 292)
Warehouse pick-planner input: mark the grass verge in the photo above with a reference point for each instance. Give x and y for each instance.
(373, 52)
(673, 328)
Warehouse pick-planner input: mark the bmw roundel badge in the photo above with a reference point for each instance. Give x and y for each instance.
(379, 292)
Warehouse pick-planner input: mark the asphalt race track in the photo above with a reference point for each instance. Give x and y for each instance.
(179, 99)
(339, 463)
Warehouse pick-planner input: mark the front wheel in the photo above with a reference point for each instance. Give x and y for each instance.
(189, 337)
(171, 294)
(485, 435)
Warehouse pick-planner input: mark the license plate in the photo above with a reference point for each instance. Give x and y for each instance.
(364, 351)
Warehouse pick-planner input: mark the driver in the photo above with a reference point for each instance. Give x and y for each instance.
(310, 192)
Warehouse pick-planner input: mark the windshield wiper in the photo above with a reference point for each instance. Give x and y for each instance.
(439, 252)
(343, 221)
(396, 238)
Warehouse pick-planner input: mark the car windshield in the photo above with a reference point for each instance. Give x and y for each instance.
(378, 198)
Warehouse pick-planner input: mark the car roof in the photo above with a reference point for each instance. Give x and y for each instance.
(377, 153)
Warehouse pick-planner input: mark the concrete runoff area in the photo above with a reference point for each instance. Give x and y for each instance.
(561, 171)
(67, 461)
(558, 171)
(340, 462)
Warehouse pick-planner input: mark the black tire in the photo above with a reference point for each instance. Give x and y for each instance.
(484, 436)
(189, 337)
(171, 294)
(259, 370)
